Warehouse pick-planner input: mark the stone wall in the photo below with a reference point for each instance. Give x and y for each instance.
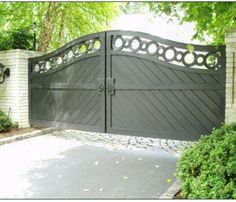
(14, 91)
(230, 103)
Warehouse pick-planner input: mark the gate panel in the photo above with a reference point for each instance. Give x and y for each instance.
(161, 92)
(64, 86)
(132, 83)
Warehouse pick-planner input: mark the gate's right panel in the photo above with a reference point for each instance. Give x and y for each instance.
(163, 89)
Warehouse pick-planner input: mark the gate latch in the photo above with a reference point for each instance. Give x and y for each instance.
(110, 86)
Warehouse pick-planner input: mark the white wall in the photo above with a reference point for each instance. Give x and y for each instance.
(14, 91)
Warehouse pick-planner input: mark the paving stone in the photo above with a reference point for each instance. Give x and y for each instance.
(113, 141)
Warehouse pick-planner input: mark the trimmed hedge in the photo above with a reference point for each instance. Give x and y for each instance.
(5, 123)
(207, 170)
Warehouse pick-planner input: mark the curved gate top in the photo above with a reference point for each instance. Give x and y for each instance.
(130, 83)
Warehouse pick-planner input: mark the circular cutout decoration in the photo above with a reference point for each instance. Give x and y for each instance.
(144, 45)
(48, 65)
(70, 54)
(135, 44)
(211, 60)
(53, 62)
(89, 46)
(59, 60)
(96, 44)
(169, 54)
(118, 43)
(152, 48)
(36, 68)
(42, 66)
(189, 59)
(178, 56)
(200, 59)
(76, 50)
(160, 50)
(65, 58)
(83, 49)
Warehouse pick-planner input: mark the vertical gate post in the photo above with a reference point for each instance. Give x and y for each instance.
(14, 91)
(230, 102)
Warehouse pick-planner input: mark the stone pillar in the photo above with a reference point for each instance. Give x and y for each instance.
(14, 91)
(230, 103)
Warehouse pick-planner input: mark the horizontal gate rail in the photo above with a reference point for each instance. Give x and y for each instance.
(61, 86)
(169, 87)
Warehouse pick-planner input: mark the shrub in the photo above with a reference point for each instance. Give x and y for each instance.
(6, 123)
(207, 170)
(16, 39)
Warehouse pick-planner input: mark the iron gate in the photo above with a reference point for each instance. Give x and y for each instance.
(131, 83)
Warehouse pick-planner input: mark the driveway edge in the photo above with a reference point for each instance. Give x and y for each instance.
(26, 135)
(170, 193)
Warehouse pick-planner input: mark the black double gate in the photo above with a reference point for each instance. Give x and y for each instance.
(129, 83)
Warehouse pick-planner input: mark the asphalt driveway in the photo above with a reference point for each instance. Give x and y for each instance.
(53, 167)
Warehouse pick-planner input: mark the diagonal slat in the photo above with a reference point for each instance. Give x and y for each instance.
(160, 114)
(189, 118)
(161, 106)
(139, 67)
(141, 100)
(203, 107)
(153, 76)
(176, 113)
(121, 66)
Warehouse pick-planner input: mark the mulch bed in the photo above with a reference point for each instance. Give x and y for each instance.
(18, 131)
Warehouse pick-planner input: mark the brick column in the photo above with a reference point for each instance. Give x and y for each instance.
(230, 103)
(14, 91)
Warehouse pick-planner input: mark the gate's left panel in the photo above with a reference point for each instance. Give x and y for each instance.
(66, 86)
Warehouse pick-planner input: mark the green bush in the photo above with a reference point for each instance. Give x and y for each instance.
(207, 170)
(6, 123)
(16, 39)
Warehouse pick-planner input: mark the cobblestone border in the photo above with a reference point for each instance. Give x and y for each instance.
(172, 191)
(114, 141)
(26, 135)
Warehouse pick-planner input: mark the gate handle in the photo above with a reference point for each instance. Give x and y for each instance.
(100, 88)
(109, 88)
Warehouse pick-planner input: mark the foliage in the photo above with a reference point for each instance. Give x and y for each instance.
(16, 39)
(57, 22)
(211, 18)
(134, 7)
(207, 170)
(5, 123)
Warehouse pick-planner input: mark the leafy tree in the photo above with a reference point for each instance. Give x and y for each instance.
(57, 22)
(211, 18)
(134, 7)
